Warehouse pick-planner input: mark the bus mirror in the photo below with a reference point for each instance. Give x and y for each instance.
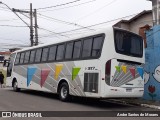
(6, 63)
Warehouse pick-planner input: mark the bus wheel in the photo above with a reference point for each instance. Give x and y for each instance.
(64, 92)
(15, 86)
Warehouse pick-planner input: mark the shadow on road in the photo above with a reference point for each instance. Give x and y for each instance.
(79, 100)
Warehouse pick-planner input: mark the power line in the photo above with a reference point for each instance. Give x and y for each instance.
(9, 39)
(65, 22)
(83, 16)
(12, 26)
(6, 44)
(96, 10)
(54, 32)
(5, 10)
(3, 7)
(21, 19)
(8, 20)
(69, 6)
(59, 5)
(15, 14)
(24, 15)
(51, 35)
(92, 25)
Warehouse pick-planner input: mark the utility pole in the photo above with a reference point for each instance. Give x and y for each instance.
(36, 27)
(31, 25)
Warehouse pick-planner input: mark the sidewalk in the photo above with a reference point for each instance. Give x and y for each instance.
(140, 102)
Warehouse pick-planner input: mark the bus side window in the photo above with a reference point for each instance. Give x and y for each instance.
(60, 52)
(22, 58)
(87, 47)
(38, 55)
(97, 44)
(77, 49)
(44, 54)
(17, 59)
(26, 58)
(69, 50)
(52, 53)
(32, 55)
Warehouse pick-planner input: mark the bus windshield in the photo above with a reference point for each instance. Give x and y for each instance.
(128, 43)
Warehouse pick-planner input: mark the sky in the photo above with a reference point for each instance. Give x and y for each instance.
(58, 19)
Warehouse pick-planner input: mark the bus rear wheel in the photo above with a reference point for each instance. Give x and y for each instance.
(64, 92)
(15, 86)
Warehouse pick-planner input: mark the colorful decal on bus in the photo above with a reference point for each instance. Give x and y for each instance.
(44, 75)
(75, 71)
(30, 72)
(58, 70)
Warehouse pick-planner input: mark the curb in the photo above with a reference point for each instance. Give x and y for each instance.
(150, 106)
(137, 104)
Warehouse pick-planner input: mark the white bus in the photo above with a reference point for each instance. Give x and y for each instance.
(104, 64)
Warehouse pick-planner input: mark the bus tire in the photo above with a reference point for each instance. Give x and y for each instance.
(64, 92)
(15, 86)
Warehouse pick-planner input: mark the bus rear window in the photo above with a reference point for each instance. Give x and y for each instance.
(128, 43)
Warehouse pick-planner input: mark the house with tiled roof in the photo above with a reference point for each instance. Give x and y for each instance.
(134, 23)
(138, 24)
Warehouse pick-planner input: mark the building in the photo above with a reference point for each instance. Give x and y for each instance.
(136, 22)
(4, 55)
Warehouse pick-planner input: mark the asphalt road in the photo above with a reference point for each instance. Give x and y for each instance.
(40, 101)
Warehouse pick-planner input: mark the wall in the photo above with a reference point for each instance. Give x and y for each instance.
(152, 65)
(142, 21)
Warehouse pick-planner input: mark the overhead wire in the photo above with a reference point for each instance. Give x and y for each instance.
(9, 39)
(22, 19)
(12, 26)
(16, 14)
(24, 15)
(73, 30)
(53, 32)
(4, 10)
(93, 12)
(6, 44)
(68, 6)
(65, 22)
(99, 23)
(4, 20)
(80, 18)
(58, 5)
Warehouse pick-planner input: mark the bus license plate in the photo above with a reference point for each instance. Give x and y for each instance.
(128, 89)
